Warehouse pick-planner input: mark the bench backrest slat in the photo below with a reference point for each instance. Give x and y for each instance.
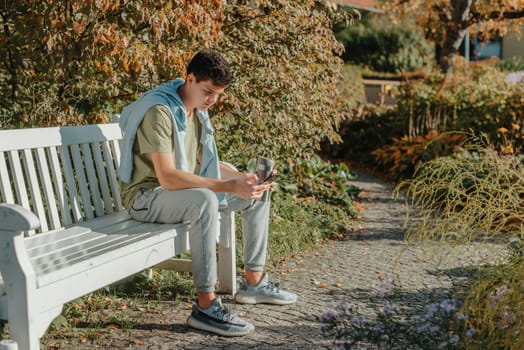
(63, 204)
(64, 175)
(18, 177)
(112, 158)
(36, 196)
(102, 177)
(84, 199)
(47, 184)
(92, 179)
(5, 188)
(70, 181)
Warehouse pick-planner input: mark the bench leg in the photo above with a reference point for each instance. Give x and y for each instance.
(8, 345)
(26, 324)
(227, 268)
(27, 333)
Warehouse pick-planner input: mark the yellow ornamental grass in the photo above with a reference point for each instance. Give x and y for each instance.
(474, 194)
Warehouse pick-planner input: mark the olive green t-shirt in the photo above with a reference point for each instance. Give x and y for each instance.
(155, 135)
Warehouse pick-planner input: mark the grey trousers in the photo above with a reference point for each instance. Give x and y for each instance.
(200, 207)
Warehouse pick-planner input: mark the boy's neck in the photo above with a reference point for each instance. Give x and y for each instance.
(183, 95)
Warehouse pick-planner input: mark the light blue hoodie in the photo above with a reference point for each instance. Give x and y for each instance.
(167, 95)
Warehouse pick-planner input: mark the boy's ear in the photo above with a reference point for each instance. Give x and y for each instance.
(191, 78)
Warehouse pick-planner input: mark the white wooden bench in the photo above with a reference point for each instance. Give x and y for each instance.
(64, 232)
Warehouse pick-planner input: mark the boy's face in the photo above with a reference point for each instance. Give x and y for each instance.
(203, 94)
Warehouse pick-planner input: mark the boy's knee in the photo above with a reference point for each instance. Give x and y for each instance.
(207, 199)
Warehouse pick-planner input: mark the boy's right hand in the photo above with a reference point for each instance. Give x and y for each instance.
(247, 188)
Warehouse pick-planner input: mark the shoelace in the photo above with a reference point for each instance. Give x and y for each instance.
(222, 313)
(271, 285)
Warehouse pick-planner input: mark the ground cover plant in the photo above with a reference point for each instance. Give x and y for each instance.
(474, 194)
(393, 326)
(477, 194)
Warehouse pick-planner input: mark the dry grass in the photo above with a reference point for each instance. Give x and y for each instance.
(476, 193)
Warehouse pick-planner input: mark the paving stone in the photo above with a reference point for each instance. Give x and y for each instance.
(349, 269)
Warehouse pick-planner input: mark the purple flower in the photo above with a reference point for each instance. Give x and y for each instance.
(357, 320)
(327, 316)
(501, 290)
(454, 339)
(423, 328)
(448, 305)
(470, 333)
(390, 309)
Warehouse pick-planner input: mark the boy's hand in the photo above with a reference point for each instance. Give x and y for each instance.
(247, 187)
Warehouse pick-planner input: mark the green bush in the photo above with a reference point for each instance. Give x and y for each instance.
(312, 202)
(476, 98)
(513, 64)
(385, 47)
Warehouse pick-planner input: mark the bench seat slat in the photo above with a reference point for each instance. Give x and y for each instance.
(93, 225)
(105, 253)
(74, 236)
(81, 238)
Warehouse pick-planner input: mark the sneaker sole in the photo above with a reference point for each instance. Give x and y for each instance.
(260, 299)
(194, 323)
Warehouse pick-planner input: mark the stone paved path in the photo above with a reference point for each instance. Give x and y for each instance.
(347, 269)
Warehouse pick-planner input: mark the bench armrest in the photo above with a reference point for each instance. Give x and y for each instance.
(16, 218)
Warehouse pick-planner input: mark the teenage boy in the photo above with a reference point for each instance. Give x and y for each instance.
(170, 173)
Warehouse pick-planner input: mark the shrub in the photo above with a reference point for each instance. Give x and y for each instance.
(284, 99)
(400, 159)
(474, 193)
(312, 202)
(512, 64)
(383, 46)
(476, 98)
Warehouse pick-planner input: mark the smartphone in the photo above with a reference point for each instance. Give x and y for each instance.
(272, 177)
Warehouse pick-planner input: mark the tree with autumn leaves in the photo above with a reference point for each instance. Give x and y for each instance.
(447, 21)
(69, 61)
(66, 62)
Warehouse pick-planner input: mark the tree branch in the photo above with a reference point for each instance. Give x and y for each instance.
(497, 15)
